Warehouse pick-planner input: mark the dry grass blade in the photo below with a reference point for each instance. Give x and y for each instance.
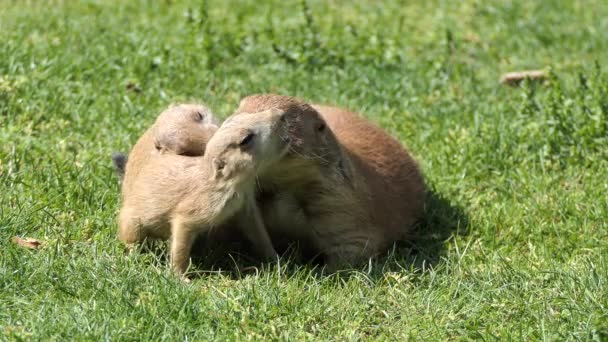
(28, 242)
(515, 78)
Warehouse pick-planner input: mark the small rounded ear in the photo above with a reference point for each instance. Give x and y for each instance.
(218, 163)
(218, 167)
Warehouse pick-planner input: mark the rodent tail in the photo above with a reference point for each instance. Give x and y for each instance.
(119, 160)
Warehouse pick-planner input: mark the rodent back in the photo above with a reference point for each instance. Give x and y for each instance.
(393, 177)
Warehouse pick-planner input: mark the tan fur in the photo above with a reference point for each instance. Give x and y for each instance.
(178, 197)
(182, 129)
(349, 189)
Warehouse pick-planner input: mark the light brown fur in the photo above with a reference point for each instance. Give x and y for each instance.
(184, 129)
(349, 189)
(178, 197)
(181, 129)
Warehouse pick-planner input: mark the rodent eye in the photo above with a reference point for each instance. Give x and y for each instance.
(199, 116)
(320, 127)
(247, 140)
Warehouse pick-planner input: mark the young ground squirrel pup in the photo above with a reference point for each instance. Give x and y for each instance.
(346, 186)
(178, 197)
(182, 129)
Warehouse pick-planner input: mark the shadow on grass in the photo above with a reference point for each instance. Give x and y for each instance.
(234, 256)
(442, 221)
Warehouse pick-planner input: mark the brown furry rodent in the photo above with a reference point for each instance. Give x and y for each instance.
(346, 186)
(178, 197)
(182, 129)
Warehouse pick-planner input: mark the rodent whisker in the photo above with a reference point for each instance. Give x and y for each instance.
(257, 183)
(314, 156)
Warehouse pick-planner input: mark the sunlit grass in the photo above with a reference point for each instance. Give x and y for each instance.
(514, 242)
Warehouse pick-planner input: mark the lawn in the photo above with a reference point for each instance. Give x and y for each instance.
(514, 244)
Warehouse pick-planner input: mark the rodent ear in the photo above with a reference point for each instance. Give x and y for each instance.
(218, 167)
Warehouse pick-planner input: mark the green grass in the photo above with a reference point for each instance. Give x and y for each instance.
(514, 244)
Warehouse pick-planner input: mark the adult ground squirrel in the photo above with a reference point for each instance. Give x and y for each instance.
(346, 186)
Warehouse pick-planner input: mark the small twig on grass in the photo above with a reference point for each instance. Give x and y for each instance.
(28, 242)
(515, 78)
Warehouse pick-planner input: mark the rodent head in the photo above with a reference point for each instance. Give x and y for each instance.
(307, 130)
(184, 129)
(247, 144)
